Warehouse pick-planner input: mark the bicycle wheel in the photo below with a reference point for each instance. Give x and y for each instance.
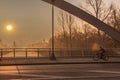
(105, 57)
(96, 57)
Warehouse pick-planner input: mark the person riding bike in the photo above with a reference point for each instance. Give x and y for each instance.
(101, 52)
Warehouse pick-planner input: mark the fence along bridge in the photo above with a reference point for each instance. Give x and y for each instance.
(43, 52)
(22, 56)
(36, 56)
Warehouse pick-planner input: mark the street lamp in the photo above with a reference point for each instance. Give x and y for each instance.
(52, 56)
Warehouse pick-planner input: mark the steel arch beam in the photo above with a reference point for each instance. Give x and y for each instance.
(86, 17)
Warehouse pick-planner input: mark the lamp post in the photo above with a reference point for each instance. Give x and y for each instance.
(52, 56)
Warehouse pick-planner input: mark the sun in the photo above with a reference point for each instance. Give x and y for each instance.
(9, 27)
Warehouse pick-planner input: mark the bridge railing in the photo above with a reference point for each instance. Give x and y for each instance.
(45, 52)
(24, 52)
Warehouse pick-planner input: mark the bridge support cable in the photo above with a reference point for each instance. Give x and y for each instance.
(86, 17)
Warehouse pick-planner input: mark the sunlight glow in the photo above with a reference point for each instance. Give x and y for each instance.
(9, 27)
(95, 47)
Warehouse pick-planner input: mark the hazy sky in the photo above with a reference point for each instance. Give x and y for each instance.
(31, 20)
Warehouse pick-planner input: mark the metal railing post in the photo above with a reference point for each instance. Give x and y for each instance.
(38, 53)
(1, 53)
(49, 50)
(14, 52)
(26, 53)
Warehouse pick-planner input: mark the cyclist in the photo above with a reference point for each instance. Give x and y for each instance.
(101, 52)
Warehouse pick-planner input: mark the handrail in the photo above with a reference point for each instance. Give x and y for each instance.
(58, 51)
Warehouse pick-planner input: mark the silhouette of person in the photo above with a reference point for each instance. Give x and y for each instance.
(101, 52)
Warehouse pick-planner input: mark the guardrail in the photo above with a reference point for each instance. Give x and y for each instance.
(23, 52)
(37, 56)
(46, 52)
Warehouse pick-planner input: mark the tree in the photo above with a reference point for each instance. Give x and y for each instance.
(114, 21)
(66, 21)
(99, 11)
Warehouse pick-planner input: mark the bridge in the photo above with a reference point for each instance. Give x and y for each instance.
(84, 67)
(39, 52)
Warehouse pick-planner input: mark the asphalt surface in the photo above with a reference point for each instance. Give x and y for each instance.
(82, 70)
(61, 72)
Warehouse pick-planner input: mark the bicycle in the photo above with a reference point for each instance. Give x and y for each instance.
(99, 56)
